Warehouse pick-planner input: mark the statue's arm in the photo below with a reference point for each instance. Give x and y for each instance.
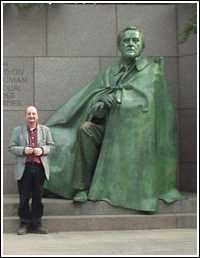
(102, 104)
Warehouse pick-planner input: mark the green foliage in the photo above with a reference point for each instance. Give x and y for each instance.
(26, 5)
(190, 27)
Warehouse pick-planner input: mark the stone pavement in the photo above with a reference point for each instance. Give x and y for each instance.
(125, 242)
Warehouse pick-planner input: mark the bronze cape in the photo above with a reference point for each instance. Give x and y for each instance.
(137, 162)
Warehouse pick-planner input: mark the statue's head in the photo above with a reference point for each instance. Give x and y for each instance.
(130, 42)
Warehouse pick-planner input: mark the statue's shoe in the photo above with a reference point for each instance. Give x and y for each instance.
(80, 197)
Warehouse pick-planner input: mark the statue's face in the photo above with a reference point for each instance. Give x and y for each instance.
(131, 44)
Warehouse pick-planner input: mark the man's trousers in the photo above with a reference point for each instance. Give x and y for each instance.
(30, 185)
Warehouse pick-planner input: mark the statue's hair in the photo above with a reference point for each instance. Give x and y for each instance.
(121, 33)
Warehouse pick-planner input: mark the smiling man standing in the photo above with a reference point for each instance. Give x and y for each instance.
(31, 144)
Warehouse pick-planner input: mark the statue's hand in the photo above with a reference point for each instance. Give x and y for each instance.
(102, 106)
(99, 106)
(109, 100)
(99, 110)
(87, 125)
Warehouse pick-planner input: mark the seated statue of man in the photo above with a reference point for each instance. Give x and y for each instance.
(116, 138)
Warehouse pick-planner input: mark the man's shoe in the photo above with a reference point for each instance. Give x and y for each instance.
(80, 196)
(40, 230)
(22, 230)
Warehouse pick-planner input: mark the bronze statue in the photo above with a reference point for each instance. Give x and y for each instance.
(116, 138)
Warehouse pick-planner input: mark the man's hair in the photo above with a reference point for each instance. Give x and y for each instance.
(30, 107)
(121, 34)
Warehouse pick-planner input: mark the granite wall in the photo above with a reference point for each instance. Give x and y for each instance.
(187, 105)
(51, 52)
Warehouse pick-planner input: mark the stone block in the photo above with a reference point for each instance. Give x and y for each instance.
(63, 207)
(188, 81)
(17, 82)
(188, 47)
(184, 14)
(81, 30)
(11, 119)
(156, 21)
(103, 222)
(188, 177)
(188, 220)
(9, 182)
(106, 61)
(44, 115)
(171, 69)
(188, 135)
(24, 31)
(57, 79)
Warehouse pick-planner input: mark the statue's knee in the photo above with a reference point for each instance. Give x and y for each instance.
(81, 131)
(83, 128)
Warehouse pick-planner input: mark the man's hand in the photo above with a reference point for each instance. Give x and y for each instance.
(28, 150)
(37, 151)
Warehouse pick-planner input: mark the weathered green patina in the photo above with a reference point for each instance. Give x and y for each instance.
(131, 152)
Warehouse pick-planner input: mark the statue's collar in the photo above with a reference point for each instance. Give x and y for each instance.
(141, 62)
